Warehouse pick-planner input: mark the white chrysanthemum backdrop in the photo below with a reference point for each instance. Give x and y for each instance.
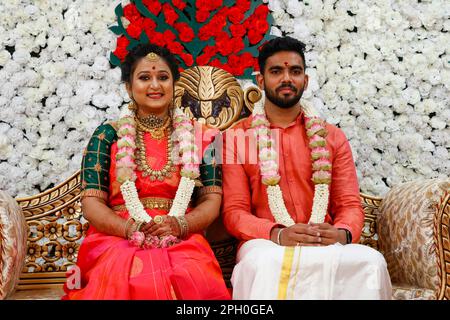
(379, 69)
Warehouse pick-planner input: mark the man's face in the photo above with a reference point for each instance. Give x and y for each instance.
(283, 79)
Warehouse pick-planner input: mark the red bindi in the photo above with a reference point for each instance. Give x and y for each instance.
(286, 64)
(153, 67)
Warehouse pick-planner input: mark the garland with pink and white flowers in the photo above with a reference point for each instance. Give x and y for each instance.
(321, 166)
(125, 170)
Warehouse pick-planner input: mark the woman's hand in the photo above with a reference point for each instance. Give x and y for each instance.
(169, 226)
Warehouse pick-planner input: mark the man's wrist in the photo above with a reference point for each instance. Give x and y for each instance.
(345, 236)
(274, 234)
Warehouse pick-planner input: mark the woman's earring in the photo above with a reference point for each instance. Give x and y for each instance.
(132, 106)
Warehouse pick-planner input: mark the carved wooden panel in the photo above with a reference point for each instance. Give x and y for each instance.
(442, 239)
(213, 96)
(56, 228)
(369, 234)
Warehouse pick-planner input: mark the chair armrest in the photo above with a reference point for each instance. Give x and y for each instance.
(371, 205)
(413, 229)
(13, 244)
(442, 239)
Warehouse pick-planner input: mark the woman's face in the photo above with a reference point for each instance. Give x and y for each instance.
(151, 87)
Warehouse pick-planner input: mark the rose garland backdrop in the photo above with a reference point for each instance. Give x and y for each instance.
(378, 69)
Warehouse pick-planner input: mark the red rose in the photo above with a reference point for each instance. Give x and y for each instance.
(254, 36)
(135, 29)
(180, 4)
(247, 60)
(261, 26)
(255, 64)
(217, 23)
(201, 15)
(214, 4)
(131, 13)
(158, 39)
(186, 33)
(224, 46)
(169, 35)
(235, 15)
(187, 58)
(262, 11)
(244, 5)
(203, 59)
(216, 63)
(122, 42)
(149, 25)
(210, 50)
(201, 4)
(204, 33)
(237, 44)
(121, 49)
(169, 13)
(234, 61)
(175, 47)
(153, 6)
(237, 30)
(121, 53)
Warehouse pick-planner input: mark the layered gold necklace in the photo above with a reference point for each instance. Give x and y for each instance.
(157, 128)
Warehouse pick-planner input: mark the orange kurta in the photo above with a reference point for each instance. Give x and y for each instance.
(246, 210)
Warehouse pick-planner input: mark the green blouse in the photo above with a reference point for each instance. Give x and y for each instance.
(97, 161)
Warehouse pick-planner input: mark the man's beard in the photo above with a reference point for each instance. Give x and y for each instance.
(284, 103)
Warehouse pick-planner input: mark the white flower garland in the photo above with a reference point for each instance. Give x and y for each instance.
(183, 132)
(269, 170)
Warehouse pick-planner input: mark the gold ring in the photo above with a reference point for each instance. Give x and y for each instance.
(158, 219)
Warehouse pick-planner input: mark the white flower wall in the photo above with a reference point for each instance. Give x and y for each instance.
(379, 70)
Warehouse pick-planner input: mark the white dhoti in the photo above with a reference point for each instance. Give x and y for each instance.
(265, 270)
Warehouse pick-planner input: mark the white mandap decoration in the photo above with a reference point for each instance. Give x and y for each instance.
(379, 69)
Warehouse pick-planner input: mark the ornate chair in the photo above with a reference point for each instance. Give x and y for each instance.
(410, 226)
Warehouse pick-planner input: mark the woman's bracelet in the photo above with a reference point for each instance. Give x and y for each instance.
(127, 225)
(184, 227)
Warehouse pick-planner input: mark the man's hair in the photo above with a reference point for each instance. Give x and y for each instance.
(277, 45)
(140, 51)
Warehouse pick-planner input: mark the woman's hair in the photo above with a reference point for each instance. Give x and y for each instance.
(140, 51)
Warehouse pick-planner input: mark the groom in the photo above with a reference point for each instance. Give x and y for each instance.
(298, 260)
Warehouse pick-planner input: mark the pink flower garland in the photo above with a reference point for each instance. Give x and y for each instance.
(126, 150)
(125, 172)
(316, 132)
(321, 166)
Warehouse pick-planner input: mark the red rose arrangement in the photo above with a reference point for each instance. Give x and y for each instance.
(220, 33)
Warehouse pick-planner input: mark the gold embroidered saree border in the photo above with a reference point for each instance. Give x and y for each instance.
(94, 193)
(149, 203)
(209, 189)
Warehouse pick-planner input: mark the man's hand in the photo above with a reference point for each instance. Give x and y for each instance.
(314, 234)
(299, 234)
(330, 234)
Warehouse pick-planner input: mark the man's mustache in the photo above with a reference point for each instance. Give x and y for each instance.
(286, 86)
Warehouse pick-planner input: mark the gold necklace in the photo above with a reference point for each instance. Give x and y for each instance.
(141, 158)
(153, 125)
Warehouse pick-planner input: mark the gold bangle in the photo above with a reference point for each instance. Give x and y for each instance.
(184, 227)
(127, 226)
